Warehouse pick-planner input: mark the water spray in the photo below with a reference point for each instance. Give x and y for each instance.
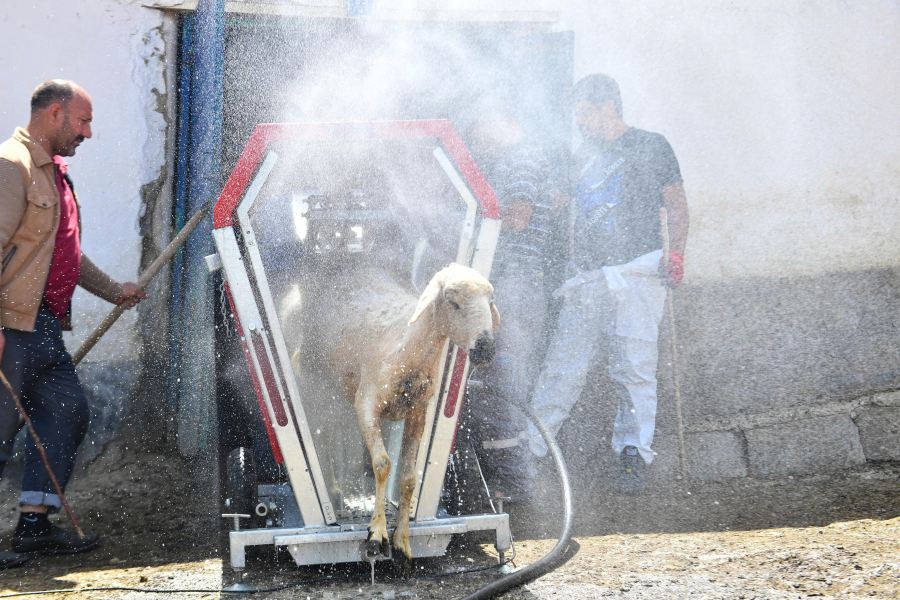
(149, 273)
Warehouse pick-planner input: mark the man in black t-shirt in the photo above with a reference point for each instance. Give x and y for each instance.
(615, 295)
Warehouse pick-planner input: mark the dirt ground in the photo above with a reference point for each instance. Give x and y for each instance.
(827, 536)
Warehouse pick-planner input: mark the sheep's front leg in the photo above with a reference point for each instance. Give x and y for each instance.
(412, 434)
(369, 417)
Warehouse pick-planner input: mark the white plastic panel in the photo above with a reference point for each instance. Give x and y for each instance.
(251, 320)
(291, 392)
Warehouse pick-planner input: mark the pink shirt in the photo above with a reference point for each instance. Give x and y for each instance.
(65, 265)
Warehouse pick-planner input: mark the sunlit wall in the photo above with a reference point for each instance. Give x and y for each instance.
(114, 50)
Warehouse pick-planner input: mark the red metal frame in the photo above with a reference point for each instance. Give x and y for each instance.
(260, 399)
(265, 133)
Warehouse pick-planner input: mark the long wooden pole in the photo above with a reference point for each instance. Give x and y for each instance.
(43, 454)
(673, 338)
(149, 273)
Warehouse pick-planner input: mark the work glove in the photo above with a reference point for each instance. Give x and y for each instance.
(672, 270)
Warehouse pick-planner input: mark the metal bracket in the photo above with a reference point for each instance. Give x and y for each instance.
(237, 519)
(213, 262)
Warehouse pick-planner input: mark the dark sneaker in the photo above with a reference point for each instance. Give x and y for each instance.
(8, 560)
(57, 541)
(632, 471)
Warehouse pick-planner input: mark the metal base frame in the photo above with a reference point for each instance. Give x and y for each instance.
(346, 543)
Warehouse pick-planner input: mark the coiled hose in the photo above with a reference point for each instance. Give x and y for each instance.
(553, 558)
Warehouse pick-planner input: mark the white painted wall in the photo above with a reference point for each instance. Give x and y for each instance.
(783, 114)
(114, 49)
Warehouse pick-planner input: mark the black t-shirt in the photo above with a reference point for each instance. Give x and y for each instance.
(617, 197)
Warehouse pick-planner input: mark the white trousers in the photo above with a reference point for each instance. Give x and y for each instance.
(622, 305)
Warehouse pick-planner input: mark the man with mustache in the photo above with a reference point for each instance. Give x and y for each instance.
(42, 262)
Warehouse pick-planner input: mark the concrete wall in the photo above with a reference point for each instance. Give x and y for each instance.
(781, 115)
(787, 324)
(778, 112)
(785, 376)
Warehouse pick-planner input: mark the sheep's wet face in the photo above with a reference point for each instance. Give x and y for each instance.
(471, 319)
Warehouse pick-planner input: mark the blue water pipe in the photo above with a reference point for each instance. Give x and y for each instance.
(199, 181)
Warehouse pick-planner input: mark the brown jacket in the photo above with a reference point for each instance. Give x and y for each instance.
(29, 218)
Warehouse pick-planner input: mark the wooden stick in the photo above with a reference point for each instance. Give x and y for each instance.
(149, 273)
(673, 337)
(42, 453)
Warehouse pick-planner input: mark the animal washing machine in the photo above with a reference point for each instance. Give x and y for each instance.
(303, 202)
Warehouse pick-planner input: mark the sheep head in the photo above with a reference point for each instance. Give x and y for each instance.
(458, 299)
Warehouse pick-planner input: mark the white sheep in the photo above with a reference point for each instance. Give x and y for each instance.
(382, 346)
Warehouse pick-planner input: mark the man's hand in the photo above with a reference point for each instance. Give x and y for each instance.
(517, 215)
(132, 293)
(672, 270)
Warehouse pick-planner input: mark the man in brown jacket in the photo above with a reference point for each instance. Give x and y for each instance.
(42, 262)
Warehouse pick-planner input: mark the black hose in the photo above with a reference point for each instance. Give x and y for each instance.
(553, 558)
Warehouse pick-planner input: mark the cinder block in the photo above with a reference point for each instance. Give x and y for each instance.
(887, 399)
(879, 432)
(665, 464)
(804, 446)
(715, 455)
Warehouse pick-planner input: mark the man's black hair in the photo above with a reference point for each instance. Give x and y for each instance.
(54, 90)
(597, 89)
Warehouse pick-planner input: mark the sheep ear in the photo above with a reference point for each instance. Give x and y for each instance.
(495, 318)
(428, 298)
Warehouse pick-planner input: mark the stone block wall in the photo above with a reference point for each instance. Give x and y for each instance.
(785, 377)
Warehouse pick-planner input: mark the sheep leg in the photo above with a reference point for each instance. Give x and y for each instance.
(370, 425)
(412, 434)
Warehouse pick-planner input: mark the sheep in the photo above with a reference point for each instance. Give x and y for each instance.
(382, 346)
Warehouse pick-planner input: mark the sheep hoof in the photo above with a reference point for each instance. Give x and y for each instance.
(373, 549)
(403, 564)
(377, 546)
(401, 543)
